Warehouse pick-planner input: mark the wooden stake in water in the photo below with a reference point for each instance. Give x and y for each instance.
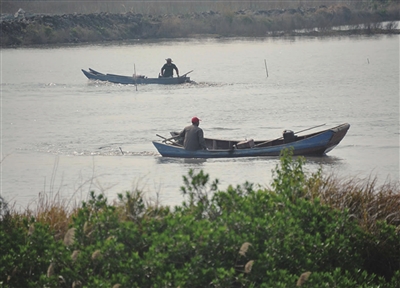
(266, 69)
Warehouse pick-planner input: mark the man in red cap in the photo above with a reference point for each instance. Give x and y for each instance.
(193, 136)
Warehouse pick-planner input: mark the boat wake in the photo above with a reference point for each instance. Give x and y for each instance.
(106, 150)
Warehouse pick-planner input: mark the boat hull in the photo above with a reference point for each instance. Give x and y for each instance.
(120, 79)
(316, 144)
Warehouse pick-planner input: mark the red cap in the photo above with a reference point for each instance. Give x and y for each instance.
(195, 120)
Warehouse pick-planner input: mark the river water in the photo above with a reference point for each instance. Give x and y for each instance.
(62, 135)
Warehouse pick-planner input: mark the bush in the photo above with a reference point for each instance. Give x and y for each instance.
(246, 236)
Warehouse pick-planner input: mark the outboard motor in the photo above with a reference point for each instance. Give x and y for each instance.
(288, 136)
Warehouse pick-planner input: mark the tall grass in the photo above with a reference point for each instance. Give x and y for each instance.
(366, 201)
(52, 210)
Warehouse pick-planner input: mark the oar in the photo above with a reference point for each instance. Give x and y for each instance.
(184, 75)
(169, 139)
(309, 128)
(293, 133)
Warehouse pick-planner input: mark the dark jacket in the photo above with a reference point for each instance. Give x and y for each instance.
(193, 138)
(168, 70)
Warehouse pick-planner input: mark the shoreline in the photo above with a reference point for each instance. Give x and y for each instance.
(339, 34)
(30, 30)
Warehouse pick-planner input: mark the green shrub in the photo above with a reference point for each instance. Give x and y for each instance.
(48, 31)
(246, 236)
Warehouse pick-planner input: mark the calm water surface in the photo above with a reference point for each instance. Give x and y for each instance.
(61, 133)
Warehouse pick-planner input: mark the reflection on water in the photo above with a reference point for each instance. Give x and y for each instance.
(188, 85)
(325, 161)
(170, 160)
(115, 150)
(320, 160)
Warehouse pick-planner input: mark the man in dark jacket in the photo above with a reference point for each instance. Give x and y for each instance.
(168, 69)
(193, 136)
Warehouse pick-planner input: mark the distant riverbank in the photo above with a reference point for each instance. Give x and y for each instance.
(27, 29)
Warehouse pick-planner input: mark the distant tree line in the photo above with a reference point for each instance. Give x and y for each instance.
(159, 7)
(33, 26)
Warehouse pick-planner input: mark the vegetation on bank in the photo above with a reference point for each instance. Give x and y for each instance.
(251, 19)
(305, 230)
(162, 7)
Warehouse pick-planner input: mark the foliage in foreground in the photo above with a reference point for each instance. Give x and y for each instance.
(294, 234)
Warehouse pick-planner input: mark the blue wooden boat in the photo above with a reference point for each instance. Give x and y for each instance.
(314, 144)
(135, 79)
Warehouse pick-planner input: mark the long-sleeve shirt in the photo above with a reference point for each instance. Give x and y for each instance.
(168, 70)
(193, 138)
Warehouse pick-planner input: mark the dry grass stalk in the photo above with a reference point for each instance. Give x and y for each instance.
(31, 229)
(365, 200)
(50, 270)
(110, 238)
(303, 278)
(96, 255)
(87, 228)
(248, 266)
(69, 237)
(76, 284)
(14, 271)
(51, 209)
(74, 255)
(244, 248)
